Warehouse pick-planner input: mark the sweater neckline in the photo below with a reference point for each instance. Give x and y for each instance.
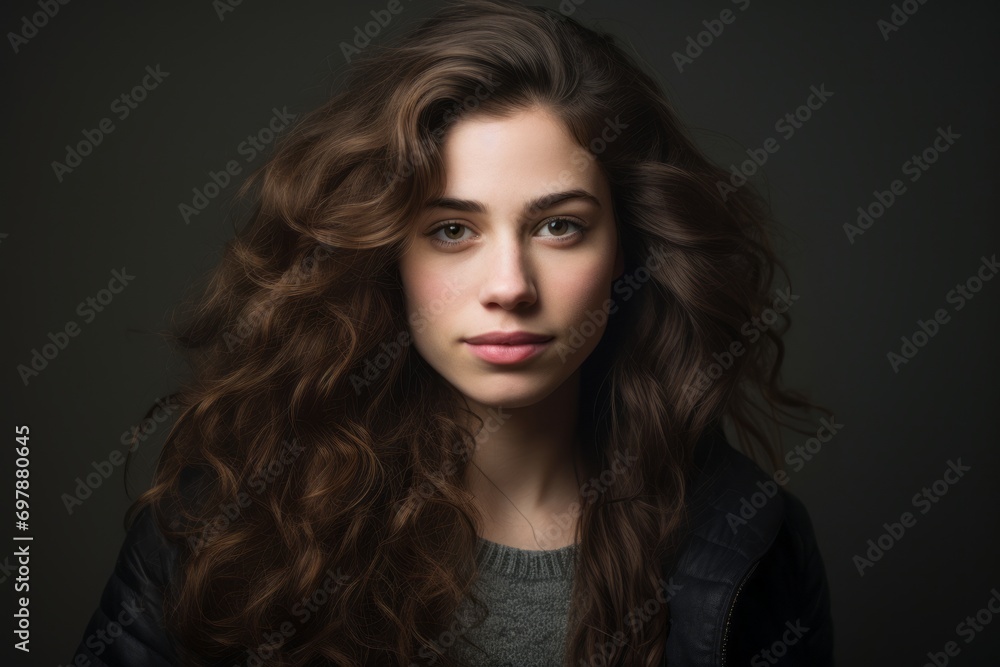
(526, 563)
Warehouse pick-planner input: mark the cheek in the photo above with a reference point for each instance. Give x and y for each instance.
(416, 277)
(582, 284)
(429, 293)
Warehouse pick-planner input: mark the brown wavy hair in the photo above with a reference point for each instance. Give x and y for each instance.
(328, 520)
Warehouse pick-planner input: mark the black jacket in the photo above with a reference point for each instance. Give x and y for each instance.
(750, 585)
(747, 589)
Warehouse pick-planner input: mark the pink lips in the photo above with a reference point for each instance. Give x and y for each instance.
(500, 347)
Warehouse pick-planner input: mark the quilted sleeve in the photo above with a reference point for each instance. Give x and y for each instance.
(127, 630)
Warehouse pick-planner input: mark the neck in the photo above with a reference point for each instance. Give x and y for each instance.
(524, 473)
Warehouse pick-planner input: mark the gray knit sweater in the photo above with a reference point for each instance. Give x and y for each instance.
(528, 594)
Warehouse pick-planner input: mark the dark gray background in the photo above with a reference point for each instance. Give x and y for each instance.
(119, 208)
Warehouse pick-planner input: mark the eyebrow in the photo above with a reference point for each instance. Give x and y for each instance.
(537, 204)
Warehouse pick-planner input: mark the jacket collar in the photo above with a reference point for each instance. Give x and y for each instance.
(728, 534)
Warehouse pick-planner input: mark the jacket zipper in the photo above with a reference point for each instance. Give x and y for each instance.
(732, 606)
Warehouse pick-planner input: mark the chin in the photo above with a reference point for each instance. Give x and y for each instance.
(506, 392)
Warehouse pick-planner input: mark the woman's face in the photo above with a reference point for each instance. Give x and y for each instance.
(482, 260)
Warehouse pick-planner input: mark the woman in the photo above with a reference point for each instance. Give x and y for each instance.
(460, 385)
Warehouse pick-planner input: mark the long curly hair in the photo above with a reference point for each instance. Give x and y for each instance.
(312, 478)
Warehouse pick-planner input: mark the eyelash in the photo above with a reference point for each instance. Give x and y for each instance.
(451, 244)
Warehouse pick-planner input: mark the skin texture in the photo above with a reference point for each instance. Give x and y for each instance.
(508, 272)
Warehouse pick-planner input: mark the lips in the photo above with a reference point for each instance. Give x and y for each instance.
(508, 338)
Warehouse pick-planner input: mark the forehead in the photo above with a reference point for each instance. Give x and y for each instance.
(529, 153)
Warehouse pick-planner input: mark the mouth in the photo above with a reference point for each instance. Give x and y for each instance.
(508, 338)
(508, 347)
(507, 354)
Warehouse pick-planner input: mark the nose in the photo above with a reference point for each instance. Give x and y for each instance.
(508, 276)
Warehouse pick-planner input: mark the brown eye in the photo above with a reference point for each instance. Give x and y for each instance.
(448, 234)
(558, 228)
(556, 225)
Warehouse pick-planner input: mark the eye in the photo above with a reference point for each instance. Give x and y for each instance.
(559, 227)
(449, 228)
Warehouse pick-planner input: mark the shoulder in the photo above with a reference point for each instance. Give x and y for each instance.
(784, 605)
(749, 564)
(127, 626)
(733, 504)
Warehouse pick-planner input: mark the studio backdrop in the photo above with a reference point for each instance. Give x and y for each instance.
(869, 126)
